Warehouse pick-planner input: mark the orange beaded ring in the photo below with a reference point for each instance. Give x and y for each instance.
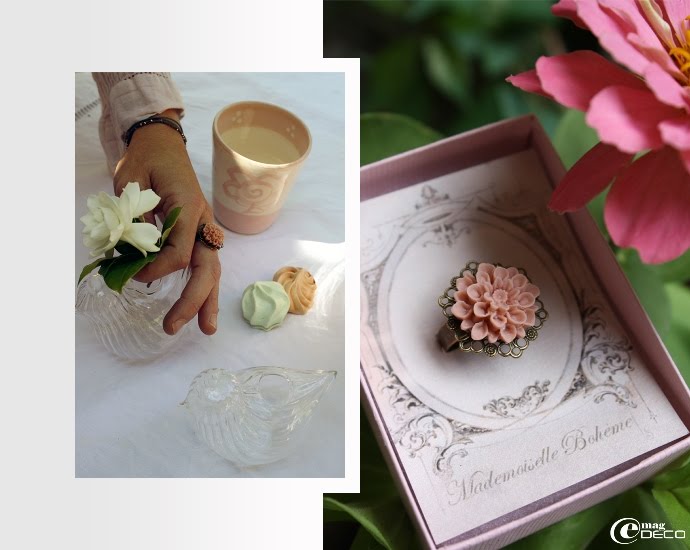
(210, 235)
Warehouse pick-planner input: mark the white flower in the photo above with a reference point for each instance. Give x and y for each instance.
(110, 220)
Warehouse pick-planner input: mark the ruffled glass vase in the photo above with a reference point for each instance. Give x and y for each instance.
(257, 415)
(130, 324)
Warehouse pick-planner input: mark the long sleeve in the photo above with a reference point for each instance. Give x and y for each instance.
(127, 98)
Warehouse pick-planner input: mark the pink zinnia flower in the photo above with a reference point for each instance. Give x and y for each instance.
(646, 110)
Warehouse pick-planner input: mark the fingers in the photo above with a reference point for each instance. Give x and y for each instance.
(177, 252)
(200, 296)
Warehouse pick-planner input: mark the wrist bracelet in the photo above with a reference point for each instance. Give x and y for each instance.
(155, 119)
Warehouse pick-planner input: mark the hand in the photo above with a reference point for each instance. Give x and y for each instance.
(157, 158)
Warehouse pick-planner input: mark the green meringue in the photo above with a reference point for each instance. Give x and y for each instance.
(265, 304)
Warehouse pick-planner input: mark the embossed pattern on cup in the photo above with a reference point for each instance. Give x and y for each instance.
(258, 151)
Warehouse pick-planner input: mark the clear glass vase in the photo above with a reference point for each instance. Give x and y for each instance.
(130, 324)
(255, 416)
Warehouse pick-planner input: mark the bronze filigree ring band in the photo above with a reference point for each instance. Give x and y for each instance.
(211, 235)
(491, 309)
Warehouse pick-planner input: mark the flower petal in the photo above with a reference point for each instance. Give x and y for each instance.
(666, 88)
(143, 236)
(677, 11)
(475, 292)
(479, 331)
(588, 177)
(628, 118)
(517, 316)
(568, 10)
(498, 321)
(481, 309)
(612, 29)
(526, 299)
(148, 200)
(467, 324)
(647, 207)
(528, 82)
(508, 333)
(676, 133)
(573, 79)
(531, 317)
(461, 310)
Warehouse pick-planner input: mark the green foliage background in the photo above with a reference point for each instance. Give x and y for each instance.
(431, 69)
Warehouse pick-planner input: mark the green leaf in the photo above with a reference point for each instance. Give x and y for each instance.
(89, 268)
(649, 289)
(127, 249)
(573, 138)
(448, 72)
(123, 268)
(676, 510)
(573, 533)
(364, 540)
(169, 223)
(378, 507)
(384, 134)
(677, 270)
(676, 474)
(677, 340)
(636, 503)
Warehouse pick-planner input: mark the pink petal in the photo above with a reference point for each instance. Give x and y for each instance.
(483, 278)
(461, 310)
(531, 289)
(467, 324)
(481, 309)
(461, 283)
(521, 331)
(612, 31)
(485, 268)
(531, 317)
(568, 10)
(685, 158)
(573, 79)
(529, 82)
(676, 132)
(479, 331)
(497, 321)
(475, 292)
(512, 272)
(677, 10)
(461, 296)
(628, 118)
(508, 333)
(519, 281)
(666, 88)
(588, 177)
(492, 336)
(517, 316)
(647, 207)
(526, 299)
(500, 273)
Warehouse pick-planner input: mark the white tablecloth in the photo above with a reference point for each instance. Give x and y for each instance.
(129, 422)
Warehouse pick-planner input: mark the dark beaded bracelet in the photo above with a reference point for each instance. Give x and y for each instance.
(155, 119)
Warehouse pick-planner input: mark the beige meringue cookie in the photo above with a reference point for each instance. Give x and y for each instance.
(300, 287)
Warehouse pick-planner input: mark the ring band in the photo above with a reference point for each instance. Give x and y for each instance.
(211, 235)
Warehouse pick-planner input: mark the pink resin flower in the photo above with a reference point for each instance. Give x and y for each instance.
(498, 304)
(646, 110)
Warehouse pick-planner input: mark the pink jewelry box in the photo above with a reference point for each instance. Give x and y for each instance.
(476, 148)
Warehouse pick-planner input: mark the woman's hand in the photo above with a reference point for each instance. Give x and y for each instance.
(157, 158)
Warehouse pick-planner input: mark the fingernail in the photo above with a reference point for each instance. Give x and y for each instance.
(177, 325)
(213, 320)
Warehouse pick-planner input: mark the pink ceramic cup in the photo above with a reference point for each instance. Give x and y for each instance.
(258, 150)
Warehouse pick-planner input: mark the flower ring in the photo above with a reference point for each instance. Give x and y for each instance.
(491, 309)
(211, 235)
